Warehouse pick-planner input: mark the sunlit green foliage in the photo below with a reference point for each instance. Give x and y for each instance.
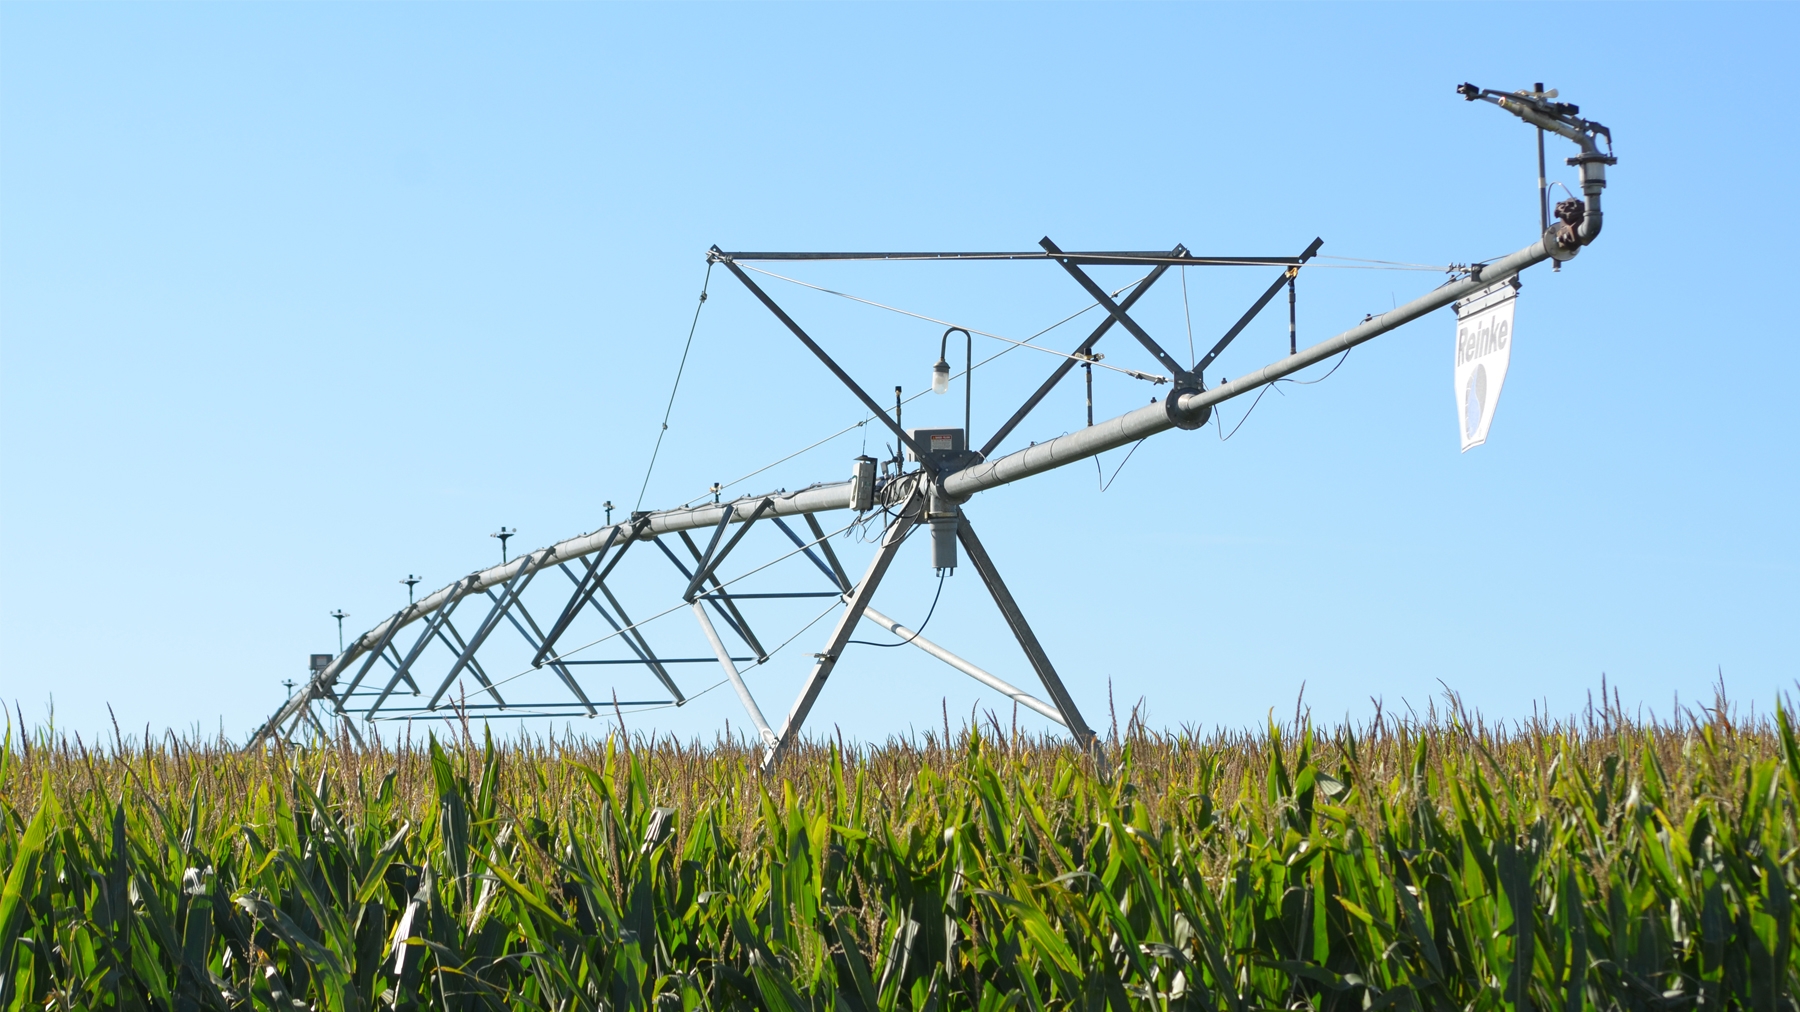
(1434, 864)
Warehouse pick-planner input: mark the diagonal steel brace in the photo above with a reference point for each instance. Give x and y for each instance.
(855, 604)
(1034, 652)
(1287, 277)
(1086, 348)
(1099, 295)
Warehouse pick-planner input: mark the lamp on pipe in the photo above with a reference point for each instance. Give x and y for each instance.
(940, 374)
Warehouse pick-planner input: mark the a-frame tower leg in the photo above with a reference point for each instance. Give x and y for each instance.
(1034, 652)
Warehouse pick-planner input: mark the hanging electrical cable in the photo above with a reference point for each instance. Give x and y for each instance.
(1122, 463)
(932, 611)
(1259, 396)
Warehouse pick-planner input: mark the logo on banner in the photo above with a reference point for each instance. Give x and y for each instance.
(1484, 331)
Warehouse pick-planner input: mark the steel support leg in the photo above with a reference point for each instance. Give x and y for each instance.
(1071, 717)
(857, 602)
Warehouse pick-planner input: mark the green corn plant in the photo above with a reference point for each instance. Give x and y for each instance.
(1595, 863)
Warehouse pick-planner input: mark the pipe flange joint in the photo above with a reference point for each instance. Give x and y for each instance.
(1555, 244)
(1181, 419)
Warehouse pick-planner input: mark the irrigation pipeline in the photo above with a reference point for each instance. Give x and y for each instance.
(1182, 408)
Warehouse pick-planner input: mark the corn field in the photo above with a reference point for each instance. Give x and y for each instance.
(1435, 862)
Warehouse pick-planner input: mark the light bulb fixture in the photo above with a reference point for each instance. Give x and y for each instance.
(940, 375)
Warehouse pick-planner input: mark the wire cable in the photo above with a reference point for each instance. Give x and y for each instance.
(933, 611)
(1390, 265)
(678, 371)
(964, 373)
(778, 463)
(1122, 463)
(1133, 373)
(1268, 387)
(1188, 314)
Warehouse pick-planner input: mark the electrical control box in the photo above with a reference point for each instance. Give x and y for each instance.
(862, 484)
(941, 445)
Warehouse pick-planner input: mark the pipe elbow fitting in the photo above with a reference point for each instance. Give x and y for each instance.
(1590, 226)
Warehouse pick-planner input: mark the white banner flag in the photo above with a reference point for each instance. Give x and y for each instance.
(1484, 324)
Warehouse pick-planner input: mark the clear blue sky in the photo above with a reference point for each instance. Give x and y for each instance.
(296, 300)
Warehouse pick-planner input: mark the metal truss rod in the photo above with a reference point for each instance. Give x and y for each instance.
(350, 726)
(431, 627)
(1028, 641)
(806, 547)
(1067, 364)
(703, 563)
(723, 606)
(824, 543)
(1085, 258)
(508, 594)
(664, 660)
(534, 637)
(584, 592)
(1118, 313)
(1005, 688)
(1192, 407)
(840, 635)
(719, 596)
(386, 643)
(313, 718)
(453, 641)
(836, 370)
(643, 658)
(308, 698)
(737, 680)
(773, 596)
(714, 558)
(516, 711)
(634, 637)
(723, 598)
(1287, 278)
(392, 657)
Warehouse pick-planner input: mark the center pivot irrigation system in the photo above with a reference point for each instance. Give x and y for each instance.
(363, 678)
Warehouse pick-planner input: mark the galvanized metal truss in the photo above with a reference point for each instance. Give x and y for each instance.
(932, 495)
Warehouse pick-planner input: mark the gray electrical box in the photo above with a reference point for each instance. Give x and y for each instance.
(945, 449)
(319, 662)
(862, 485)
(936, 441)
